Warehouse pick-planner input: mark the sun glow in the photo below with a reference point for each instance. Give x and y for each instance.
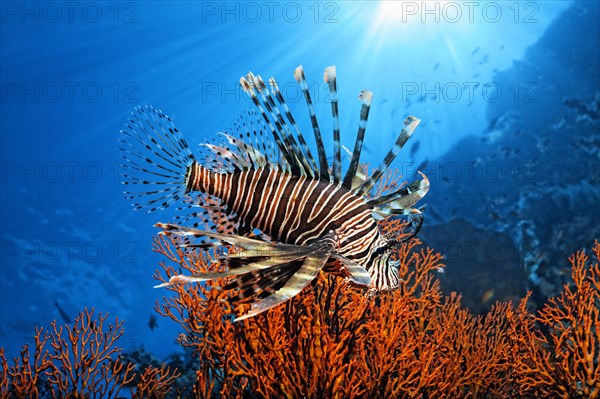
(406, 12)
(417, 23)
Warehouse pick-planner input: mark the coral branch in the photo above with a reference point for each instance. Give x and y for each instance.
(336, 340)
(561, 359)
(84, 362)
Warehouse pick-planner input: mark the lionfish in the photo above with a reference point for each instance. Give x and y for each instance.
(263, 178)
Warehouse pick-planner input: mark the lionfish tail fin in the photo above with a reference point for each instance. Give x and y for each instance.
(155, 160)
(270, 272)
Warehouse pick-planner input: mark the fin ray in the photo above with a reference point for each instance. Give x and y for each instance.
(323, 165)
(308, 271)
(365, 97)
(410, 124)
(155, 158)
(331, 80)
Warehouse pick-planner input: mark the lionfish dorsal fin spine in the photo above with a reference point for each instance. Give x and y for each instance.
(410, 124)
(261, 147)
(280, 124)
(323, 165)
(248, 89)
(236, 158)
(380, 213)
(406, 196)
(312, 165)
(365, 97)
(331, 80)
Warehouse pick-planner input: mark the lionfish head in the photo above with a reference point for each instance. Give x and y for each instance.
(384, 272)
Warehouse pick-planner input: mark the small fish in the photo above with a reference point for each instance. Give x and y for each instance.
(488, 295)
(475, 51)
(492, 125)
(514, 213)
(66, 318)
(414, 148)
(501, 199)
(436, 66)
(152, 323)
(495, 215)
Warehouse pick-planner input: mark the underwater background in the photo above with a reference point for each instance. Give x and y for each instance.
(508, 94)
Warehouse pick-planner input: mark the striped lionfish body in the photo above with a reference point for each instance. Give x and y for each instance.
(263, 176)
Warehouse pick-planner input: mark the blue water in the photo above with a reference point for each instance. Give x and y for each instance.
(70, 74)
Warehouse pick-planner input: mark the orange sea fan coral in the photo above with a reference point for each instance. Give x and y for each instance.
(83, 361)
(336, 340)
(561, 359)
(22, 380)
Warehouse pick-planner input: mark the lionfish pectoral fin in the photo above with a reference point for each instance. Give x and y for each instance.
(259, 268)
(242, 242)
(357, 274)
(180, 279)
(244, 266)
(311, 266)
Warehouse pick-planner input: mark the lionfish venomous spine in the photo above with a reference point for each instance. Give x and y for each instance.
(311, 214)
